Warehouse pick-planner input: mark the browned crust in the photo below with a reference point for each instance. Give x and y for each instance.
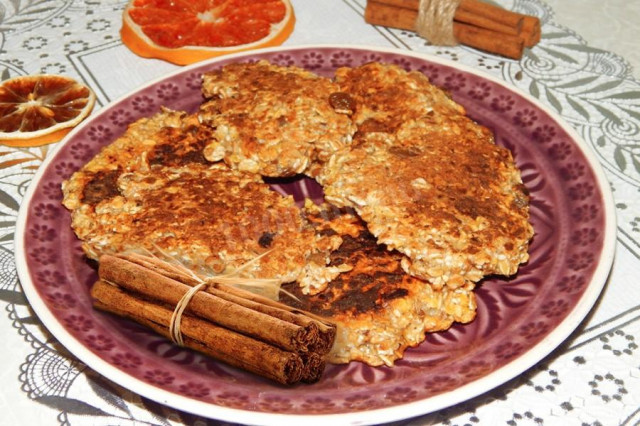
(161, 194)
(429, 181)
(273, 120)
(380, 310)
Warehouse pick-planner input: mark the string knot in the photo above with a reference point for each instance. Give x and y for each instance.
(435, 21)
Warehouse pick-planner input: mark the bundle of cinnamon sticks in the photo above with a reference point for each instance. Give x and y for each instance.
(229, 324)
(476, 24)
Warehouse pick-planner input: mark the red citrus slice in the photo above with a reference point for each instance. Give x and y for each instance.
(40, 109)
(187, 31)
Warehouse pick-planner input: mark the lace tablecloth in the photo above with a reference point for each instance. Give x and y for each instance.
(592, 379)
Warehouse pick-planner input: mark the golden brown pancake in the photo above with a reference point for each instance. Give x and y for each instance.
(379, 310)
(153, 190)
(428, 181)
(273, 120)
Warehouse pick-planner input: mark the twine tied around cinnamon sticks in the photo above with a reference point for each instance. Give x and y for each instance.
(472, 23)
(175, 330)
(435, 21)
(202, 283)
(237, 327)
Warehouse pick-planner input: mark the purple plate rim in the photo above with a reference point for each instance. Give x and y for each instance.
(396, 412)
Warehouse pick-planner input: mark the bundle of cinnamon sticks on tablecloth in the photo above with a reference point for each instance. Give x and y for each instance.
(229, 324)
(475, 23)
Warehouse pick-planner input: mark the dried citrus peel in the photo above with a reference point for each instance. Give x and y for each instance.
(138, 42)
(40, 109)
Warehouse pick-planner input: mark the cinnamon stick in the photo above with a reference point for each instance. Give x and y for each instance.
(233, 348)
(531, 31)
(475, 24)
(506, 45)
(495, 13)
(407, 4)
(133, 277)
(313, 367)
(237, 327)
(326, 331)
(488, 22)
(379, 13)
(529, 26)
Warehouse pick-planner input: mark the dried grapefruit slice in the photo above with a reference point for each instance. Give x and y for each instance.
(40, 109)
(188, 31)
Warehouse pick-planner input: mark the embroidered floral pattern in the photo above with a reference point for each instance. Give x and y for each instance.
(575, 185)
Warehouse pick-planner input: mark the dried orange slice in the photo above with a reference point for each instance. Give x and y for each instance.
(40, 109)
(188, 31)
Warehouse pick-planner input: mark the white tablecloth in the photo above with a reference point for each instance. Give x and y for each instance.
(592, 379)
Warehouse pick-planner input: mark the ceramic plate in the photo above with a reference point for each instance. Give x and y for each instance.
(519, 320)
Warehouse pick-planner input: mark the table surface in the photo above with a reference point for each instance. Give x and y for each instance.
(44, 384)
